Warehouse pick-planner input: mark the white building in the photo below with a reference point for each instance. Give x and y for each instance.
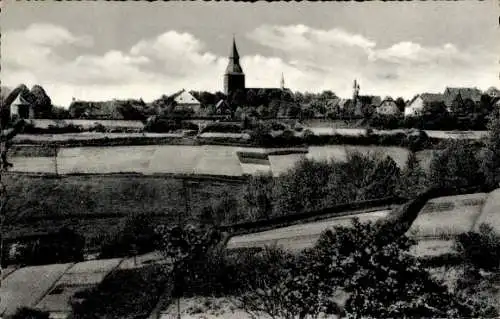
(416, 106)
(387, 107)
(185, 100)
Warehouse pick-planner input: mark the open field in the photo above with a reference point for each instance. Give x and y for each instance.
(183, 159)
(448, 216)
(26, 286)
(79, 277)
(439, 219)
(98, 205)
(300, 236)
(50, 287)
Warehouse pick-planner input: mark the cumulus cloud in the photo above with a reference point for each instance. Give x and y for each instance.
(405, 68)
(311, 59)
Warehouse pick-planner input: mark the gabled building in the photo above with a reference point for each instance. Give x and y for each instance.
(387, 107)
(22, 108)
(222, 108)
(184, 100)
(234, 78)
(416, 105)
(454, 96)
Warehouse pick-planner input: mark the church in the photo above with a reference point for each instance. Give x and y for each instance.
(234, 77)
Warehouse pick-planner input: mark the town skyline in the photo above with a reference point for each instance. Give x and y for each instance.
(316, 47)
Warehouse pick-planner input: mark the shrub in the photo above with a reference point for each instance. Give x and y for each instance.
(112, 297)
(29, 313)
(186, 248)
(413, 178)
(138, 236)
(62, 246)
(456, 166)
(480, 249)
(490, 157)
(221, 127)
(368, 273)
(313, 185)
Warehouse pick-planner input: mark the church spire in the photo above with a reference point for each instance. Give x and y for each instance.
(234, 60)
(234, 78)
(282, 83)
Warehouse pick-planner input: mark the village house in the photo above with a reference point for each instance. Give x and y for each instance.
(22, 109)
(456, 97)
(416, 105)
(387, 107)
(183, 100)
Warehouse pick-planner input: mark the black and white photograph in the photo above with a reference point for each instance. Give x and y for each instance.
(246, 160)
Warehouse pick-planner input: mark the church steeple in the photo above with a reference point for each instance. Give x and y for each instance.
(282, 82)
(234, 78)
(234, 60)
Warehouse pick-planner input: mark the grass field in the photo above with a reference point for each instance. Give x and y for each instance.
(300, 236)
(448, 216)
(77, 278)
(185, 159)
(97, 205)
(26, 286)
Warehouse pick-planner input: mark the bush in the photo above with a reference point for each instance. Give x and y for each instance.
(365, 272)
(112, 297)
(29, 313)
(165, 125)
(313, 185)
(187, 248)
(480, 249)
(221, 127)
(62, 246)
(456, 166)
(137, 237)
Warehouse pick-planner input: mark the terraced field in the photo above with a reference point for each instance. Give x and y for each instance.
(440, 220)
(448, 216)
(77, 278)
(175, 159)
(26, 286)
(300, 236)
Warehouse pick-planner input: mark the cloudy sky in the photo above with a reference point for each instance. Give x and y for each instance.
(102, 50)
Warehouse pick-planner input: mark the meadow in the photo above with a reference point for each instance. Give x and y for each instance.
(26, 286)
(448, 216)
(99, 205)
(184, 159)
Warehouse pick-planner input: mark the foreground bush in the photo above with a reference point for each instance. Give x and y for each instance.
(456, 166)
(138, 236)
(313, 185)
(360, 272)
(29, 313)
(187, 249)
(131, 293)
(480, 249)
(62, 246)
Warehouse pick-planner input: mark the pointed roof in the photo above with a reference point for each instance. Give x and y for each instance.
(234, 60)
(184, 97)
